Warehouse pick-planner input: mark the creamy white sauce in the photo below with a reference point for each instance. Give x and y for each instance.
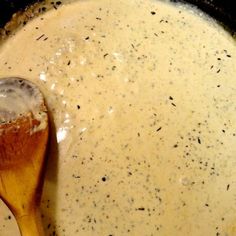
(142, 98)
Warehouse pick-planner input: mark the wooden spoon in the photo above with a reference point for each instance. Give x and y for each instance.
(23, 141)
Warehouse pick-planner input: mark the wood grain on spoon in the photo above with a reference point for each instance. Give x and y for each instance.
(23, 142)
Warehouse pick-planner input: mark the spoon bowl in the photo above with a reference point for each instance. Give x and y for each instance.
(23, 141)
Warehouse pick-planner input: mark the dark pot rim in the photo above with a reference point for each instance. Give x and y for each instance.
(222, 11)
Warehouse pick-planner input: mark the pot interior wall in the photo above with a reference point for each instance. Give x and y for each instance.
(9, 7)
(221, 10)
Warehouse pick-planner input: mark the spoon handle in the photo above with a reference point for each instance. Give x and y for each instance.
(30, 224)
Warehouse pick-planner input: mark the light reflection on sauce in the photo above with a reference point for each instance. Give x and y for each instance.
(61, 134)
(42, 76)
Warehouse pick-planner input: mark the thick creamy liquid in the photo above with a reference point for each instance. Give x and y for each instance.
(142, 99)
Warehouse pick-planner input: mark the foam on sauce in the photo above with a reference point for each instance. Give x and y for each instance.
(142, 95)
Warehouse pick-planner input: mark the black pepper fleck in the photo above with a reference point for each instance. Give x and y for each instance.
(40, 37)
(199, 140)
(104, 179)
(105, 55)
(76, 176)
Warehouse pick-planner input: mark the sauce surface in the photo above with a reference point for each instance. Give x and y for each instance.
(142, 99)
